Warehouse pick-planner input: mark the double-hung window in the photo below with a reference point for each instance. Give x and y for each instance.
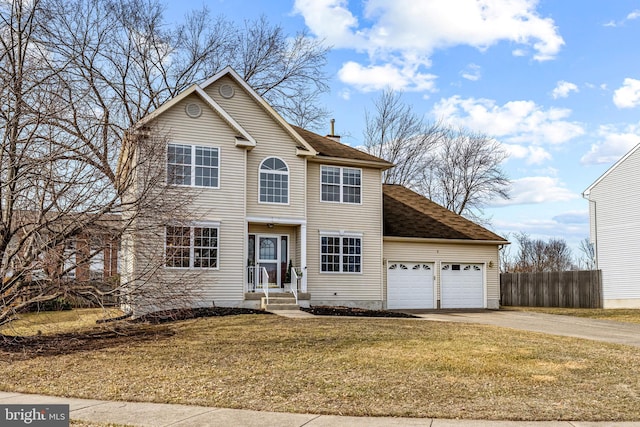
(192, 247)
(193, 165)
(274, 181)
(341, 185)
(340, 253)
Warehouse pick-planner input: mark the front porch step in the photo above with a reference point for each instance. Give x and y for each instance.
(280, 301)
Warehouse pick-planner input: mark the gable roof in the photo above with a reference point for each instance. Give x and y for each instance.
(228, 71)
(195, 89)
(410, 215)
(328, 148)
(586, 192)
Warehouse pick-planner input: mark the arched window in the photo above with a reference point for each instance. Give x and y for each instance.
(274, 181)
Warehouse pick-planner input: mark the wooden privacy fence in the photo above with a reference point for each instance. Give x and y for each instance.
(576, 289)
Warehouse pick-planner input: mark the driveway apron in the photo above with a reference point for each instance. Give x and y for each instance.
(570, 326)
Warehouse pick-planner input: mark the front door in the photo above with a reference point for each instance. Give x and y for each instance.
(271, 253)
(268, 258)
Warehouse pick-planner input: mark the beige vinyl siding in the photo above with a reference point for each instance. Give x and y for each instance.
(224, 205)
(439, 253)
(617, 232)
(271, 141)
(126, 258)
(365, 218)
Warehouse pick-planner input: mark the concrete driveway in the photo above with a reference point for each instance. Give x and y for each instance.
(598, 330)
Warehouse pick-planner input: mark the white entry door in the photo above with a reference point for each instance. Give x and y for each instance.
(410, 285)
(268, 257)
(271, 252)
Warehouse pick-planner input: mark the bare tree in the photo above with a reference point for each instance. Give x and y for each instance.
(454, 167)
(537, 255)
(397, 134)
(465, 172)
(76, 77)
(587, 259)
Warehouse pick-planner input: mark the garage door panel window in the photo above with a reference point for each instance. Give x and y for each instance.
(341, 254)
(462, 286)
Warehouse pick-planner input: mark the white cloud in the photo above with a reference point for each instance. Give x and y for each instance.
(516, 122)
(544, 228)
(630, 17)
(573, 217)
(342, 31)
(633, 15)
(376, 77)
(627, 96)
(534, 155)
(403, 32)
(614, 144)
(536, 190)
(563, 89)
(472, 72)
(345, 94)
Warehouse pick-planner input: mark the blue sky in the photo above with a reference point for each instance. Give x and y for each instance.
(556, 82)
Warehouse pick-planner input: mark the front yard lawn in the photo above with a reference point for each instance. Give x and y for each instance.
(619, 315)
(342, 366)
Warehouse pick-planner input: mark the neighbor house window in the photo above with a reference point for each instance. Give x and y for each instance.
(193, 165)
(191, 247)
(69, 264)
(341, 185)
(274, 181)
(340, 254)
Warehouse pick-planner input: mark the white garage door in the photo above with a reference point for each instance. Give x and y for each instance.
(410, 285)
(461, 286)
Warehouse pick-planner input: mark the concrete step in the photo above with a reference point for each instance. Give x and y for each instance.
(271, 306)
(279, 302)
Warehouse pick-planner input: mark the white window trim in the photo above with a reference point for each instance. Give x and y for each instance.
(191, 226)
(193, 166)
(288, 173)
(342, 185)
(341, 234)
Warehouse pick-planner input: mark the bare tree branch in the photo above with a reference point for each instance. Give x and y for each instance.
(457, 168)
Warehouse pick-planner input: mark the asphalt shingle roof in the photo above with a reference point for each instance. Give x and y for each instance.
(408, 214)
(329, 148)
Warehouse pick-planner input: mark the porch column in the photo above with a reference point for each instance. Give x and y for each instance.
(303, 257)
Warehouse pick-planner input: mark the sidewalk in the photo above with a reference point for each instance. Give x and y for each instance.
(164, 415)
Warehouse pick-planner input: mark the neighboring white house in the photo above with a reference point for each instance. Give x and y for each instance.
(268, 194)
(614, 219)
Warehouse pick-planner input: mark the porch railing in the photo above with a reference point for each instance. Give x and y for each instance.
(295, 282)
(258, 280)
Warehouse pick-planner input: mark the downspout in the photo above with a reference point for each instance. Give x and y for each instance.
(585, 196)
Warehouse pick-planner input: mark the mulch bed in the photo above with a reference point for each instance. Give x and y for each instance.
(326, 310)
(24, 347)
(110, 335)
(194, 313)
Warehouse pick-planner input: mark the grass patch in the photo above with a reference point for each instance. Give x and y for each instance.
(55, 322)
(79, 423)
(375, 367)
(616, 314)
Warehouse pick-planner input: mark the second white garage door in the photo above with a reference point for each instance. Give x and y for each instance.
(410, 285)
(461, 286)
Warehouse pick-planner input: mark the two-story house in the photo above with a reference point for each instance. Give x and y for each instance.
(267, 195)
(614, 228)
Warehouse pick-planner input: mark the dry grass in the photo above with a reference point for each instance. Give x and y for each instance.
(619, 315)
(392, 367)
(79, 423)
(55, 322)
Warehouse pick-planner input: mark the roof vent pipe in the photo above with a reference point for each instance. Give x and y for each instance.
(333, 135)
